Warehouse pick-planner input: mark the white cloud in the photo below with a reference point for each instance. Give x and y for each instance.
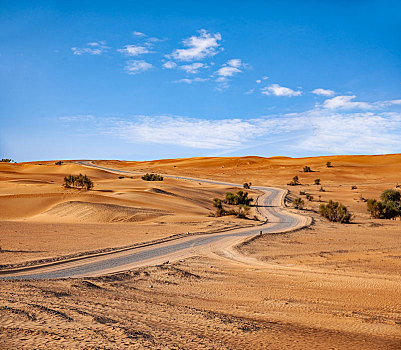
(169, 65)
(190, 81)
(235, 62)
(198, 47)
(258, 81)
(193, 68)
(228, 71)
(137, 66)
(314, 131)
(77, 118)
(278, 90)
(265, 78)
(231, 68)
(323, 92)
(134, 50)
(135, 33)
(345, 102)
(249, 92)
(95, 48)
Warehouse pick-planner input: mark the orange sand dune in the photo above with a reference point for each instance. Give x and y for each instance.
(329, 286)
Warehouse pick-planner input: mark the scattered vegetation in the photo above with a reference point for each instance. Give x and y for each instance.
(354, 187)
(241, 199)
(307, 169)
(236, 199)
(78, 181)
(321, 189)
(58, 162)
(335, 212)
(152, 177)
(247, 185)
(317, 181)
(294, 182)
(309, 197)
(388, 208)
(329, 165)
(298, 203)
(6, 160)
(121, 177)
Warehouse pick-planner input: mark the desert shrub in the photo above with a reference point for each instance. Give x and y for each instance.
(321, 189)
(309, 197)
(354, 187)
(335, 212)
(152, 177)
(236, 199)
(317, 181)
(307, 169)
(59, 163)
(302, 193)
(243, 211)
(298, 203)
(247, 185)
(294, 181)
(390, 196)
(6, 160)
(121, 177)
(328, 164)
(78, 181)
(388, 208)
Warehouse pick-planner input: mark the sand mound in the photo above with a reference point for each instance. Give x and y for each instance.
(160, 191)
(77, 211)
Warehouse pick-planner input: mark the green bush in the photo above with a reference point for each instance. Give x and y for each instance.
(247, 185)
(78, 181)
(388, 208)
(307, 169)
(328, 164)
(294, 182)
(152, 177)
(298, 203)
(236, 199)
(335, 212)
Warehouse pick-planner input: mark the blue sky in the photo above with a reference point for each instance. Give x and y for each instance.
(155, 79)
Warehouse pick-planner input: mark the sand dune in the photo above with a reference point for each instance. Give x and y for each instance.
(329, 286)
(76, 211)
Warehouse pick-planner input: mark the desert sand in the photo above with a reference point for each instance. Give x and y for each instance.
(326, 286)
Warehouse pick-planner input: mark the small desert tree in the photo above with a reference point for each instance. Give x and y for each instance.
(307, 169)
(328, 164)
(78, 181)
(298, 203)
(388, 208)
(247, 185)
(294, 182)
(335, 212)
(317, 181)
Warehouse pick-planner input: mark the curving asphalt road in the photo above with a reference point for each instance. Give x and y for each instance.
(270, 206)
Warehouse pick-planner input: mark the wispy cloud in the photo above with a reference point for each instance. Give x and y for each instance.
(277, 90)
(323, 92)
(169, 65)
(140, 34)
(198, 47)
(134, 50)
(193, 68)
(345, 102)
(137, 66)
(93, 48)
(190, 81)
(316, 130)
(231, 68)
